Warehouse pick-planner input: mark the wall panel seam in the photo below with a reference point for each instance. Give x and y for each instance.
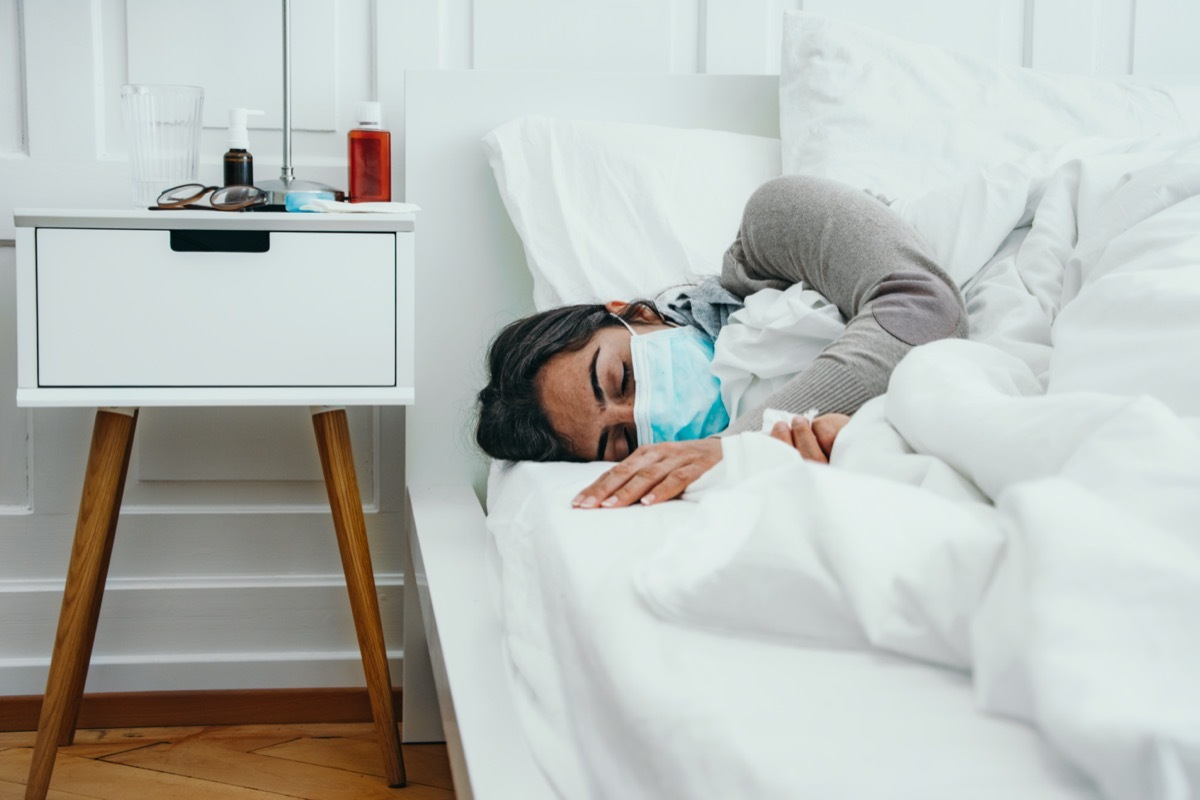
(167, 510)
(1094, 51)
(209, 657)
(198, 583)
(22, 77)
(1132, 55)
(1027, 44)
(99, 112)
(373, 77)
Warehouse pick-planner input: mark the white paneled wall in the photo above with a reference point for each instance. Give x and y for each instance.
(235, 33)
(225, 571)
(633, 35)
(1164, 39)
(993, 30)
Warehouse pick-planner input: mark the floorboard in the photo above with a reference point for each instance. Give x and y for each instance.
(16, 791)
(329, 761)
(425, 763)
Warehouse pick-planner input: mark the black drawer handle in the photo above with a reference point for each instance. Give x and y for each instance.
(220, 241)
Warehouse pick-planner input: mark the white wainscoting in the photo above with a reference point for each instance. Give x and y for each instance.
(225, 572)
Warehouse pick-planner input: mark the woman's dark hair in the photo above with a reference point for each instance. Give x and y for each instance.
(512, 424)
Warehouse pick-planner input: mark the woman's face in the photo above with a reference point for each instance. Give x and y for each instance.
(588, 395)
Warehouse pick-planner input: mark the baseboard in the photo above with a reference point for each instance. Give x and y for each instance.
(216, 707)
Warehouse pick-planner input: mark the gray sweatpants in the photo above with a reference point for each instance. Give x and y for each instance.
(855, 251)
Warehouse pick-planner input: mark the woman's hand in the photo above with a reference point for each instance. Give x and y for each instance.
(657, 472)
(813, 441)
(651, 474)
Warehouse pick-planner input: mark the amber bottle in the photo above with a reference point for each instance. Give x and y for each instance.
(239, 164)
(370, 157)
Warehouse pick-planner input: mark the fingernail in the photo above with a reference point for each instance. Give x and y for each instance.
(588, 502)
(576, 500)
(648, 499)
(610, 502)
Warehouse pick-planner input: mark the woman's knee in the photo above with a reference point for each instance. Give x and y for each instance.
(789, 197)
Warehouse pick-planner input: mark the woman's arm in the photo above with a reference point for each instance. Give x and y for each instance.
(852, 249)
(855, 251)
(658, 472)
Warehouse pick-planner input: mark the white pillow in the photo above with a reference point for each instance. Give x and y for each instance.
(898, 118)
(616, 211)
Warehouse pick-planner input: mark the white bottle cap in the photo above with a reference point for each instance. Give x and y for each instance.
(368, 114)
(239, 137)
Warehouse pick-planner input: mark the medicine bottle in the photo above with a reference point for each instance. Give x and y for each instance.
(239, 164)
(370, 156)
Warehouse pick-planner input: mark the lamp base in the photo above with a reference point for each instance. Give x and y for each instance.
(278, 190)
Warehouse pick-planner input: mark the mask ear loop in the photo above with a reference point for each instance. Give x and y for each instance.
(637, 354)
(623, 322)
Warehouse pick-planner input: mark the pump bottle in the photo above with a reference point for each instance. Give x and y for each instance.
(370, 156)
(239, 164)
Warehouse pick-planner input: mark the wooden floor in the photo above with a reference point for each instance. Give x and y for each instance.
(242, 762)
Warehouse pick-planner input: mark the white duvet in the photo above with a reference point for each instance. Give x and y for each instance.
(1025, 505)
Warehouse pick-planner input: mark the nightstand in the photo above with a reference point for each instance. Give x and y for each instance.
(123, 309)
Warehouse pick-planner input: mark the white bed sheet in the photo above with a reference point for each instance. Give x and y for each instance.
(1088, 298)
(617, 702)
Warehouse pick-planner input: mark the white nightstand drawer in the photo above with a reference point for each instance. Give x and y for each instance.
(144, 308)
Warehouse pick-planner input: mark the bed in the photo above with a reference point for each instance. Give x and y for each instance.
(991, 592)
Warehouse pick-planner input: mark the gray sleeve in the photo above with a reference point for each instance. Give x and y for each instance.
(864, 259)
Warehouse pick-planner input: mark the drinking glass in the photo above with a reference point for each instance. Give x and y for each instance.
(162, 123)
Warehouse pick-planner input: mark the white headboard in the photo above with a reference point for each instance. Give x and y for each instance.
(471, 273)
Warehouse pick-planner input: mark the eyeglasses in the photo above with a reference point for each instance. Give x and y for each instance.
(224, 198)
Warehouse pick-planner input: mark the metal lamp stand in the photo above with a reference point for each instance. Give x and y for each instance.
(278, 191)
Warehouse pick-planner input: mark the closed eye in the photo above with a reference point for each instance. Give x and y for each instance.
(624, 379)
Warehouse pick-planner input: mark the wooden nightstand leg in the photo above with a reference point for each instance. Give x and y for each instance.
(99, 507)
(337, 462)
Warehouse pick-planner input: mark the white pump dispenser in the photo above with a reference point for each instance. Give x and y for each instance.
(239, 137)
(239, 164)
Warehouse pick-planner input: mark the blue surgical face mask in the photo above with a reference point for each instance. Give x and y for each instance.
(678, 398)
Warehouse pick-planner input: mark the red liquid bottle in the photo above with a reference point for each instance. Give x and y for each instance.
(370, 157)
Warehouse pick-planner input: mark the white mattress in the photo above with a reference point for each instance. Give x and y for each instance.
(616, 702)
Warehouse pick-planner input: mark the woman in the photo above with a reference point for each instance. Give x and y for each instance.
(564, 383)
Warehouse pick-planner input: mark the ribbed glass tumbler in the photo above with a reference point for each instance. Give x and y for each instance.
(162, 124)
